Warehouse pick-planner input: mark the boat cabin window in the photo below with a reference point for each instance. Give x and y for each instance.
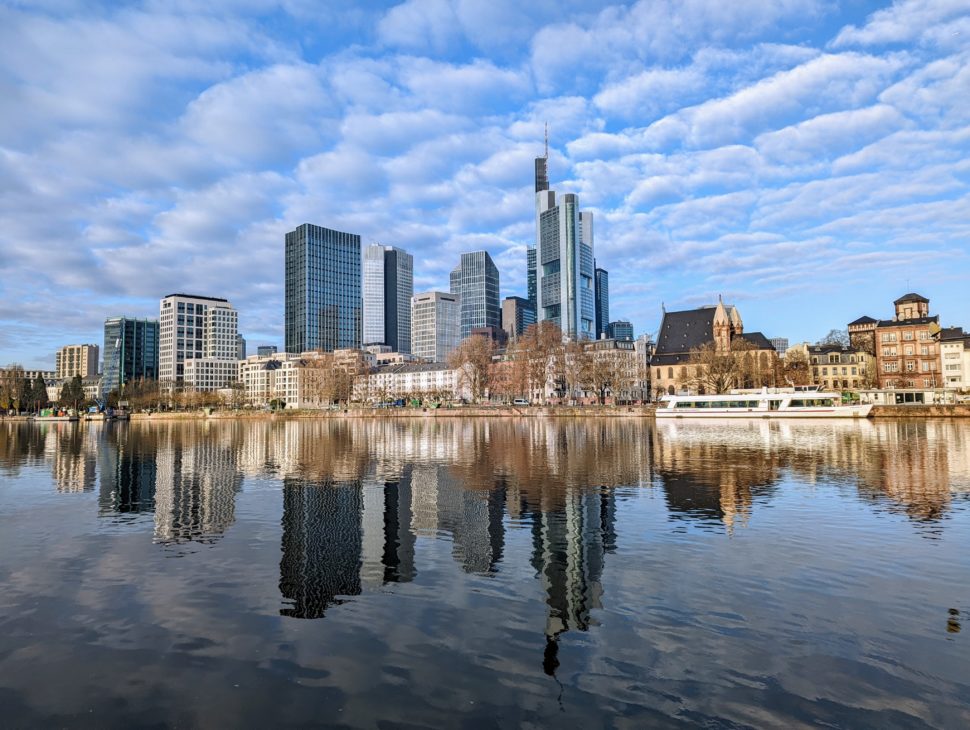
(812, 403)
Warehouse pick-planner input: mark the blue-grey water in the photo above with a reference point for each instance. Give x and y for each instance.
(485, 573)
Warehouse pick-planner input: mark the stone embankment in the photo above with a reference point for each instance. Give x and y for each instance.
(463, 412)
(960, 410)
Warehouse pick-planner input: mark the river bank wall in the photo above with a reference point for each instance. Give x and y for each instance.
(424, 413)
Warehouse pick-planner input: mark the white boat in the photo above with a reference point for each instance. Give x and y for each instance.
(764, 404)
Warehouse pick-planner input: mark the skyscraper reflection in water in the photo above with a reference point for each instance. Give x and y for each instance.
(127, 472)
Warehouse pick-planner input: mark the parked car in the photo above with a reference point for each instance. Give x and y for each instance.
(520, 402)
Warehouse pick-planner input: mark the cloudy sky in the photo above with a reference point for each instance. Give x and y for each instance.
(806, 159)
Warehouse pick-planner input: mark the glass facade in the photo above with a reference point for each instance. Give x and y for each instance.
(620, 330)
(323, 289)
(388, 288)
(476, 284)
(130, 351)
(530, 261)
(517, 315)
(602, 301)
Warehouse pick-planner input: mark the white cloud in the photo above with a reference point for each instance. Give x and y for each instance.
(906, 20)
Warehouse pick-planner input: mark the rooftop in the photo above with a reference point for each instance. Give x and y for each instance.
(911, 297)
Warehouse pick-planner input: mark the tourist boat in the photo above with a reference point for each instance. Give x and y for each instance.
(764, 404)
(55, 419)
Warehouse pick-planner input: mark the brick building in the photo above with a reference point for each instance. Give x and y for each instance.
(907, 346)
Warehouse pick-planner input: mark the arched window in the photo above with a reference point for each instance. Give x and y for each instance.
(670, 390)
(670, 374)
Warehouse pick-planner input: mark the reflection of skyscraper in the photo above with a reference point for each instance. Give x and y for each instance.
(127, 473)
(388, 543)
(321, 545)
(195, 494)
(474, 519)
(73, 463)
(569, 547)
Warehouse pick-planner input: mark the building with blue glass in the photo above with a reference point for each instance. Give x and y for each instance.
(602, 301)
(323, 289)
(130, 351)
(619, 330)
(475, 282)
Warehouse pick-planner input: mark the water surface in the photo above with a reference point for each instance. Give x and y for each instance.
(483, 573)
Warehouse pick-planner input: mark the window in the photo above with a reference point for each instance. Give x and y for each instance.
(924, 350)
(910, 366)
(924, 335)
(908, 335)
(891, 367)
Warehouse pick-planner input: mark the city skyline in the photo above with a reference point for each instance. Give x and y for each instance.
(806, 162)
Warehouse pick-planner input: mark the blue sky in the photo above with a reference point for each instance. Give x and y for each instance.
(807, 160)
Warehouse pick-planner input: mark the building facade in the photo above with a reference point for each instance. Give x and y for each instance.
(862, 334)
(836, 368)
(531, 280)
(565, 287)
(130, 351)
(323, 289)
(602, 285)
(264, 350)
(240, 347)
(209, 374)
(74, 360)
(388, 288)
(907, 347)
(780, 344)
(955, 356)
(476, 284)
(436, 381)
(619, 330)
(435, 325)
(517, 315)
(193, 327)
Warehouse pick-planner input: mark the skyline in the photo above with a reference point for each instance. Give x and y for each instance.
(806, 162)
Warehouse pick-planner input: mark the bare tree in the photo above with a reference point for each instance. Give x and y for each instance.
(796, 370)
(712, 370)
(539, 344)
(473, 361)
(836, 337)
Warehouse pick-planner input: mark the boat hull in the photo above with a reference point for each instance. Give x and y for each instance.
(860, 411)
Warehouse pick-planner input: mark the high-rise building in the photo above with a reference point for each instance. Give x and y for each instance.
(77, 360)
(475, 282)
(619, 330)
(240, 347)
(517, 314)
(564, 266)
(323, 303)
(388, 288)
(264, 350)
(130, 351)
(530, 262)
(780, 344)
(435, 325)
(194, 327)
(602, 301)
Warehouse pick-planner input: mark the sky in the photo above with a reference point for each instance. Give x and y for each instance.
(806, 160)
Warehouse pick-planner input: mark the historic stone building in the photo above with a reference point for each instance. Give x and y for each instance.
(684, 333)
(836, 368)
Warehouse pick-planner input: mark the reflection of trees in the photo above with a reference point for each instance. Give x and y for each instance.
(21, 444)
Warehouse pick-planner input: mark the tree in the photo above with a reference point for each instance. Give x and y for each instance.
(712, 370)
(537, 347)
(23, 394)
(836, 337)
(473, 361)
(10, 382)
(72, 393)
(38, 394)
(796, 370)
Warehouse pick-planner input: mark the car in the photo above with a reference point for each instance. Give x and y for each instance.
(520, 402)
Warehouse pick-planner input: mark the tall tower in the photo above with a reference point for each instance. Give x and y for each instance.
(475, 282)
(323, 303)
(602, 300)
(388, 288)
(197, 328)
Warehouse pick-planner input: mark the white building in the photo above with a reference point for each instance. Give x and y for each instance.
(407, 380)
(435, 325)
(290, 377)
(955, 355)
(194, 327)
(388, 277)
(208, 374)
(74, 360)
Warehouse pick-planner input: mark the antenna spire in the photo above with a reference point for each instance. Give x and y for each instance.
(547, 141)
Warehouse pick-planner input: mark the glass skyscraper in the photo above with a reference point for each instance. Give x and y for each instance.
(530, 262)
(130, 351)
(388, 288)
(602, 301)
(475, 282)
(323, 292)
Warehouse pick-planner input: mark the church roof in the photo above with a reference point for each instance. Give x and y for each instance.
(681, 332)
(757, 339)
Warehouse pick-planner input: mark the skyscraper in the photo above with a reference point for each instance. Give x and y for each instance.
(620, 330)
(530, 262)
(130, 351)
(564, 266)
(602, 301)
(194, 328)
(74, 360)
(388, 288)
(475, 282)
(517, 314)
(323, 303)
(435, 325)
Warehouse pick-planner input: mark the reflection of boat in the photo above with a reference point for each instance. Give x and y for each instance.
(800, 404)
(50, 419)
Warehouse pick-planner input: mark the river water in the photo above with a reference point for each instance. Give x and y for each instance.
(485, 573)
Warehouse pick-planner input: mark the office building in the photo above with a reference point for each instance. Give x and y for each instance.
(435, 325)
(530, 262)
(130, 351)
(564, 241)
(264, 350)
(193, 327)
(323, 297)
(780, 344)
(388, 288)
(517, 315)
(602, 284)
(74, 360)
(240, 347)
(619, 330)
(475, 282)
